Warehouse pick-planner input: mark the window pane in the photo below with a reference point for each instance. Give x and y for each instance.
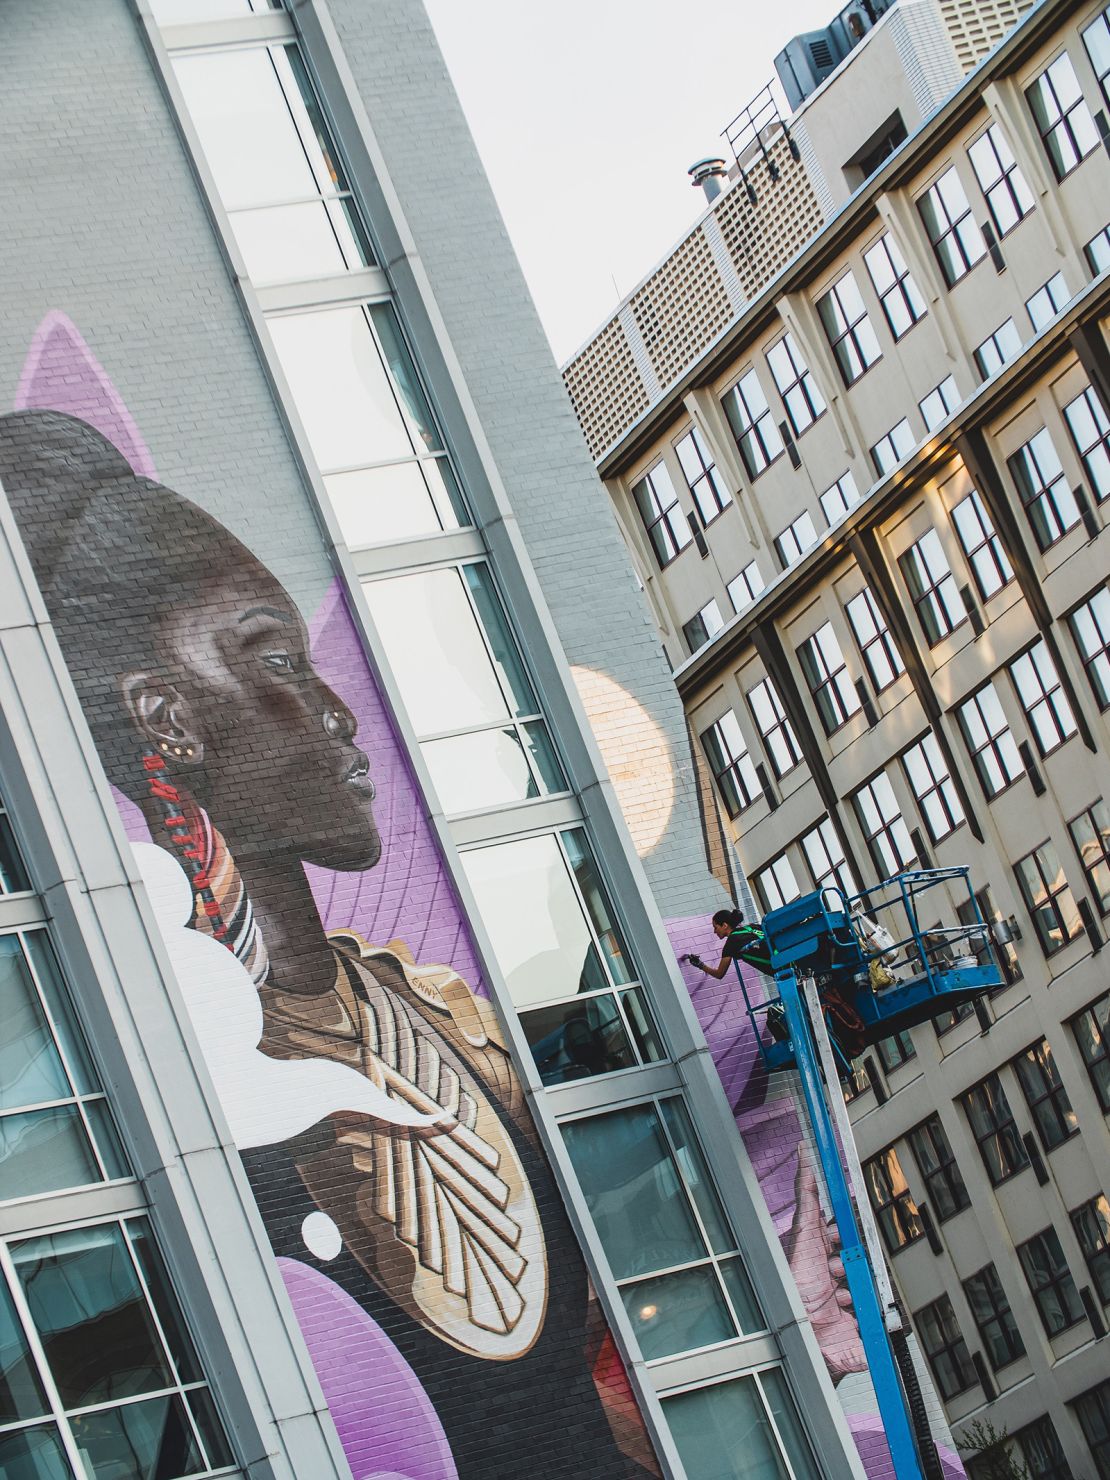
(13, 876)
(678, 1312)
(34, 1454)
(697, 1178)
(21, 1394)
(632, 1188)
(577, 1039)
(44, 1151)
(785, 1411)
(483, 769)
(535, 920)
(375, 506)
(723, 1432)
(31, 1068)
(139, 1441)
(86, 1302)
(287, 243)
(597, 905)
(157, 1281)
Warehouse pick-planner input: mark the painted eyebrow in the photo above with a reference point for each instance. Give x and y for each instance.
(265, 611)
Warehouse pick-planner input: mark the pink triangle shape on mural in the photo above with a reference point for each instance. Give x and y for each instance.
(61, 373)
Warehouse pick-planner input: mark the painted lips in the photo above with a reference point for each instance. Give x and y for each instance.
(357, 774)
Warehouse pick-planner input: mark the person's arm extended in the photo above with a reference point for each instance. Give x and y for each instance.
(717, 971)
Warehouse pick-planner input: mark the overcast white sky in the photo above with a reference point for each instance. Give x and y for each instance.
(587, 115)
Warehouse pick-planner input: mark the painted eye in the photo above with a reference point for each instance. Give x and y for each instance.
(280, 662)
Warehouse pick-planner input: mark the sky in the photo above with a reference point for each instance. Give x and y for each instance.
(587, 115)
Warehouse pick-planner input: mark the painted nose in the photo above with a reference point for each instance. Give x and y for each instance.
(339, 724)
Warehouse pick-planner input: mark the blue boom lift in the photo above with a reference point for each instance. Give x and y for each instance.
(869, 950)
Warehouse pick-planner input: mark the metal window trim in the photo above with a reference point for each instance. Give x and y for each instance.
(264, 28)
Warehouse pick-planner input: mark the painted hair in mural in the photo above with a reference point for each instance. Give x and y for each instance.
(376, 1109)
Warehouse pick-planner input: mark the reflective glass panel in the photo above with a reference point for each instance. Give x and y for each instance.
(13, 876)
(696, 1176)
(597, 905)
(34, 1454)
(724, 1432)
(192, 12)
(157, 1282)
(577, 1039)
(678, 1312)
(284, 243)
(782, 1405)
(44, 1151)
(483, 769)
(376, 506)
(60, 1007)
(31, 1069)
(139, 1441)
(21, 1394)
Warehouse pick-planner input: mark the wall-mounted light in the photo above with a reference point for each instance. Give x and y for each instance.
(1007, 931)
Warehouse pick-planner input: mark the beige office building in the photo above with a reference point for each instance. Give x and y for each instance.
(864, 478)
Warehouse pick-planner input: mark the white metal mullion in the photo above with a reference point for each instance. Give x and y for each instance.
(508, 722)
(784, 1454)
(558, 835)
(658, 1274)
(298, 113)
(46, 1377)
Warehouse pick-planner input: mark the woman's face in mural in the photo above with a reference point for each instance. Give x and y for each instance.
(262, 742)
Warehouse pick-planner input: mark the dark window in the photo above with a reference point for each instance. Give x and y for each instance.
(800, 395)
(1042, 698)
(890, 449)
(13, 876)
(1003, 954)
(992, 747)
(1090, 627)
(778, 738)
(1097, 252)
(1091, 1029)
(895, 1051)
(698, 468)
(731, 764)
(899, 295)
(998, 349)
(837, 500)
(941, 401)
(1092, 1409)
(1047, 301)
(1096, 38)
(881, 658)
(943, 1184)
(932, 586)
(1090, 832)
(880, 817)
(992, 1124)
(1048, 898)
(752, 424)
(1090, 431)
(824, 856)
(890, 1197)
(951, 228)
(1045, 1095)
(703, 626)
(944, 1345)
(829, 681)
(1003, 185)
(932, 785)
(990, 1310)
(874, 154)
(795, 540)
(1042, 1452)
(1062, 117)
(667, 526)
(979, 539)
(744, 588)
(848, 329)
(1050, 1282)
(1092, 1229)
(775, 884)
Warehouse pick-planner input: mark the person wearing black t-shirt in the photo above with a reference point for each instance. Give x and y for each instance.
(740, 942)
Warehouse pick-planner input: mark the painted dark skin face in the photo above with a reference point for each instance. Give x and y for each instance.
(276, 766)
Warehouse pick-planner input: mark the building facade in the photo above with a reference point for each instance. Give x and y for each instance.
(355, 1115)
(868, 511)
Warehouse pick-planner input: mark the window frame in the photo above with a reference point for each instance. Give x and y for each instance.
(890, 660)
(706, 478)
(1093, 1044)
(791, 530)
(992, 1324)
(1048, 288)
(836, 871)
(945, 1171)
(1045, 1094)
(1046, 85)
(934, 592)
(993, 747)
(754, 591)
(996, 1134)
(1094, 454)
(1000, 354)
(800, 385)
(742, 789)
(1048, 714)
(780, 727)
(995, 560)
(1002, 181)
(831, 686)
(892, 448)
(901, 288)
(949, 400)
(1050, 946)
(942, 787)
(842, 498)
(946, 231)
(1094, 659)
(1094, 1242)
(1094, 854)
(855, 348)
(663, 517)
(886, 833)
(893, 1205)
(757, 437)
(950, 1355)
(1059, 1277)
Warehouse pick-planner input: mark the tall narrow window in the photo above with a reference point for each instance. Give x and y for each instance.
(1050, 299)
(1092, 1408)
(998, 349)
(1091, 1030)
(951, 228)
(664, 1231)
(1097, 252)
(795, 540)
(274, 162)
(562, 955)
(700, 471)
(890, 449)
(944, 1185)
(824, 856)
(932, 587)
(463, 683)
(1062, 117)
(776, 884)
(1090, 834)
(1042, 1451)
(1045, 1095)
(992, 1124)
(733, 769)
(368, 423)
(1050, 1282)
(744, 1427)
(901, 298)
(13, 876)
(939, 404)
(1048, 898)
(880, 656)
(842, 496)
(892, 1201)
(799, 391)
(931, 782)
(989, 740)
(1049, 502)
(666, 525)
(1092, 1231)
(1090, 628)
(778, 737)
(981, 545)
(1096, 38)
(943, 1344)
(752, 424)
(744, 588)
(1042, 698)
(1003, 185)
(703, 626)
(990, 1310)
(829, 681)
(896, 1050)
(848, 328)
(1090, 431)
(880, 817)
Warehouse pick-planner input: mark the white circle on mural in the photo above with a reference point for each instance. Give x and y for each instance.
(636, 753)
(321, 1236)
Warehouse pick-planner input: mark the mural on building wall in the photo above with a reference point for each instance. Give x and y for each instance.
(324, 962)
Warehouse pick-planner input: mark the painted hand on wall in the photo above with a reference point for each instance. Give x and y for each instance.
(813, 1253)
